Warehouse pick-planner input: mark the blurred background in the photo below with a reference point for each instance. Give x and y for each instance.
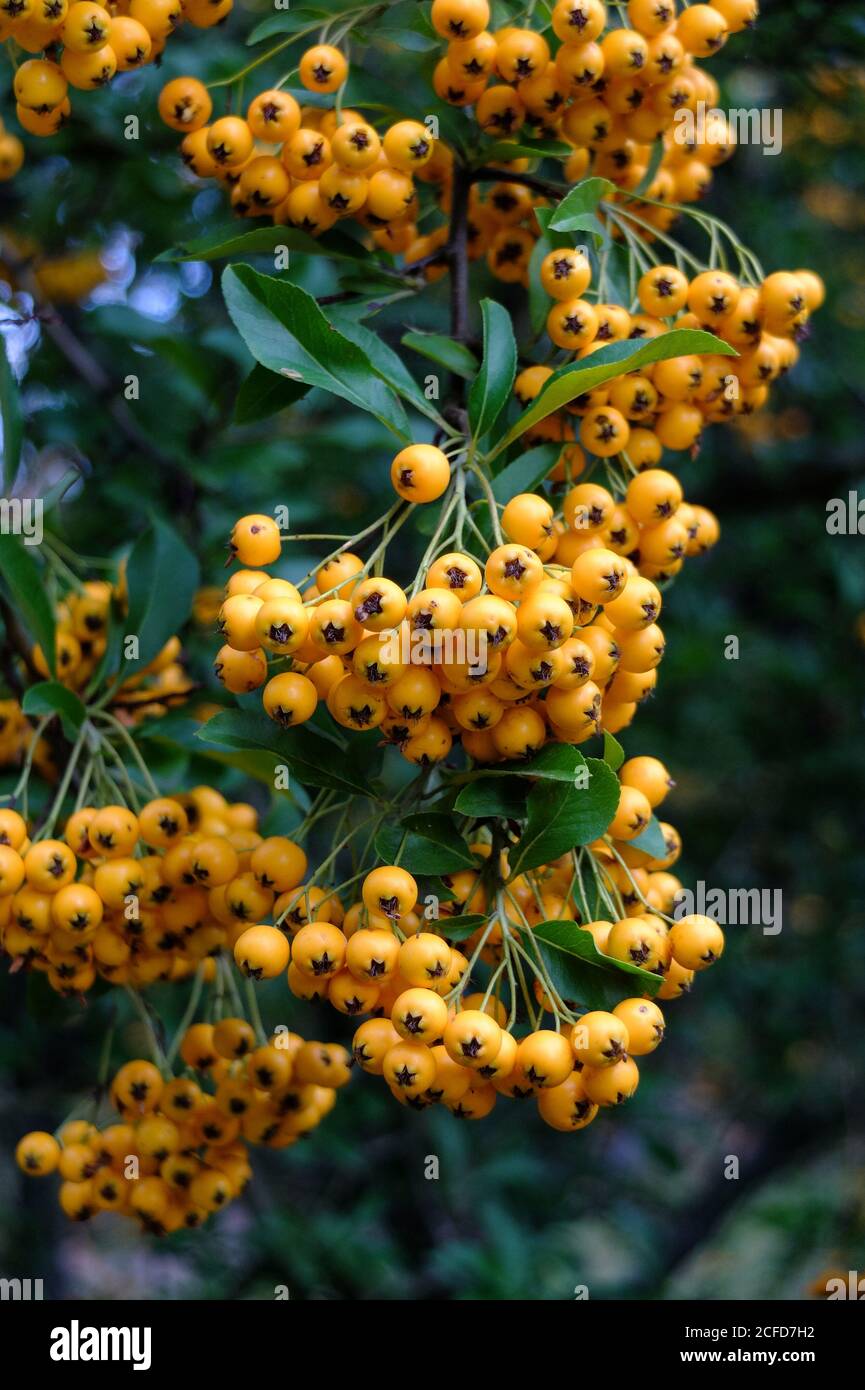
(764, 1061)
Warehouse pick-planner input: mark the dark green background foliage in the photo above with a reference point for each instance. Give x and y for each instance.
(765, 1060)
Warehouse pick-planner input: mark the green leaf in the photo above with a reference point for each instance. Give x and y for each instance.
(459, 928)
(289, 21)
(315, 760)
(407, 27)
(556, 762)
(614, 753)
(162, 574)
(455, 357)
(563, 816)
(525, 473)
(581, 973)
(263, 393)
(50, 697)
(578, 209)
(22, 580)
(504, 151)
(177, 731)
(13, 425)
(226, 242)
(424, 844)
(651, 841)
(653, 166)
(491, 389)
(608, 362)
(286, 332)
(388, 364)
(500, 796)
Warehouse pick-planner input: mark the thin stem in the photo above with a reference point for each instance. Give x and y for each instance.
(254, 1012)
(133, 748)
(144, 1015)
(491, 502)
(188, 1016)
(47, 828)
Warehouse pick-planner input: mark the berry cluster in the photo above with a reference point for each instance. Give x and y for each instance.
(554, 637)
(310, 167)
(608, 91)
(83, 46)
(179, 1151)
(137, 898)
(433, 1039)
(665, 405)
(81, 623)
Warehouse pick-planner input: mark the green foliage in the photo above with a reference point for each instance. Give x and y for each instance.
(491, 389)
(424, 844)
(576, 379)
(10, 416)
(562, 815)
(163, 577)
(22, 584)
(314, 758)
(767, 751)
(580, 973)
(286, 332)
(50, 697)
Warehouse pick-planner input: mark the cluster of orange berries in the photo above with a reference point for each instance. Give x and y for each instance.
(555, 636)
(180, 1150)
(465, 1061)
(135, 899)
(302, 165)
(609, 92)
(665, 405)
(81, 621)
(83, 46)
(434, 1042)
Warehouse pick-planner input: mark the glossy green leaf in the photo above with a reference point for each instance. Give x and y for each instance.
(22, 580)
(564, 815)
(504, 151)
(651, 841)
(162, 575)
(493, 796)
(264, 393)
(50, 697)
(556, 762)
(313, 759)
(615, 359)
(614, 753)
(227, 242)
(462, 927)
(287, 332)
(291, 20)
(455, 357)
(385, 362)
(580, 973)
(653, 166)
(526, 472)
(491, 389)
(578, 209)
(424, 844)
(13, 425)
